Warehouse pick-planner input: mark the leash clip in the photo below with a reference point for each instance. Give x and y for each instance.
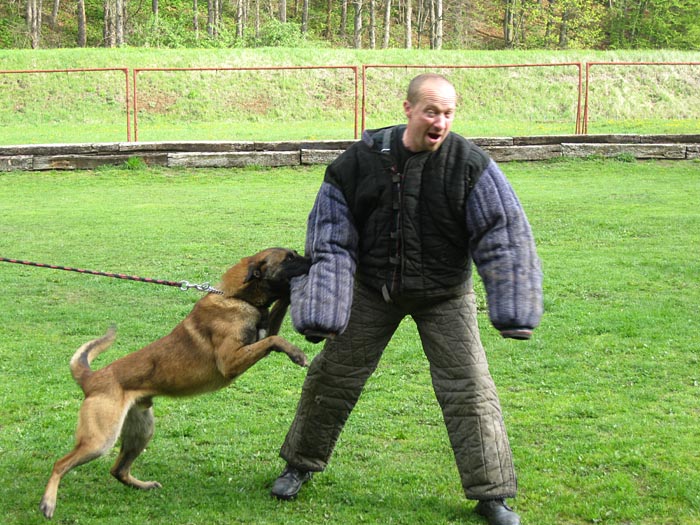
(204, 287)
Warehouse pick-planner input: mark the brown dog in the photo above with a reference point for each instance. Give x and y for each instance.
(221, 338)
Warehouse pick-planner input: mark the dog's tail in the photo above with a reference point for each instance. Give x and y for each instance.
(80, 363)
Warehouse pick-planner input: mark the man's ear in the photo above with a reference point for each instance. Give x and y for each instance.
(254, 271)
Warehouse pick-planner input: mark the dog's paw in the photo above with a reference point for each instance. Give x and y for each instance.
(47, 508)
(299, 358)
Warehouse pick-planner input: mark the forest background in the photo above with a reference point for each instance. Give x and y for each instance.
(370, 24)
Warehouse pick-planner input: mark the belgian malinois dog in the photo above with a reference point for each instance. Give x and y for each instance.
(223, 336)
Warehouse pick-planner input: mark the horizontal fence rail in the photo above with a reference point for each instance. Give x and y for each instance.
(136, 97)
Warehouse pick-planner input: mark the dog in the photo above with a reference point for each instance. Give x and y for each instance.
(223, 336)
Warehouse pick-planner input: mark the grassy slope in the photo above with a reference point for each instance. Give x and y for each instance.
(308, 105)
(601, 406)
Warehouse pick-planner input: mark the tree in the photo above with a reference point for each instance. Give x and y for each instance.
(329, 12)
(114, 21)
(82, 24)
(195, 18)
(34, 22)
(54, 14)
(214, 15)
(372, 26)
(240, 18)
(283, 11)
(358, 24)
(343, 19)
(409, 29)
(387, 24)
(437, 24)
(305, 16)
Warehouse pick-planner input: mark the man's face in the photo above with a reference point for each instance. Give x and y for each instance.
(430, 118)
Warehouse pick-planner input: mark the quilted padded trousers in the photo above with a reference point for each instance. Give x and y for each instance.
(463, 386)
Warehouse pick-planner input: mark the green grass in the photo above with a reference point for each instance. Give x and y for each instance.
(319, 104)
(601, 406)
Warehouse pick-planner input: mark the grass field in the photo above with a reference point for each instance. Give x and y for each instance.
(319, 103)
(602, 405)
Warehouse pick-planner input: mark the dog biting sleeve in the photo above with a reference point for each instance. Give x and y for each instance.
(503, 249)
(321, 300)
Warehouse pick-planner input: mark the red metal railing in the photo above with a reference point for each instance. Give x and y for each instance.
(583, 103)
(354, 69)
(589, 65)
(88, 70)
(489, 66)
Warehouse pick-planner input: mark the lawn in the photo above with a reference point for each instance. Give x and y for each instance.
(601, 406)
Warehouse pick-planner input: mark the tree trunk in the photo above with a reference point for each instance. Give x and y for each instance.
(54, 15)
(409, 29)
(195, 19)
(420, 20)
(358, 24)
(108, 30)
(240, 19)
(82, 23)
(34, 22)
(508, 23)
(304, 17)
(154, 8)
(437, 43)
(257, 19)
(343, 19)
(387, 24)
(566, 15)
(283, 11)
(372, 26)
(327, 32)
(212, 17)
(120, 21)
(114, 22)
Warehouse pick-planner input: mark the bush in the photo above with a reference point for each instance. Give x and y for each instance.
(277, 34)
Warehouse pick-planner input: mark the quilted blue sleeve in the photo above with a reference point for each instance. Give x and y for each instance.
(503, 249)
(321, 300)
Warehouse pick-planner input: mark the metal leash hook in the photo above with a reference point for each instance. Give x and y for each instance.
(204, 287)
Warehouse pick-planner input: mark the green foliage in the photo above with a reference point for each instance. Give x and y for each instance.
(560, 24)
(135, 164)
(274, 33)
(655, 24)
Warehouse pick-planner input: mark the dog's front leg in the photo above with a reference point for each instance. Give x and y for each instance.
(233, 361)
(277, 313)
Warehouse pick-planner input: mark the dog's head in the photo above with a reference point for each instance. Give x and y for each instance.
(264, 277)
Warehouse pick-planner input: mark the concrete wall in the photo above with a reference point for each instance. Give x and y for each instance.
(223, 154)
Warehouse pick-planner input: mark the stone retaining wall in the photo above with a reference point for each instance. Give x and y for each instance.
(223, 154)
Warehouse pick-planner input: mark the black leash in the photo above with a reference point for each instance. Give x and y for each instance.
(183, 285)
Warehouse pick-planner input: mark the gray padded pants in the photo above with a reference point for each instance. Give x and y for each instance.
(460, 375)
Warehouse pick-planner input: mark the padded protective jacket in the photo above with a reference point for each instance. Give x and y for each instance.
(416, 233)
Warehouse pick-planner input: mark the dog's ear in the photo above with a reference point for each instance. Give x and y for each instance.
(254, 271)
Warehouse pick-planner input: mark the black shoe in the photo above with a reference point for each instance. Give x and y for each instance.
(497, 512)
(289, 483)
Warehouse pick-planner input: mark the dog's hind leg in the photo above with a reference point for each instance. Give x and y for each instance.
(95, 435)
(136, 433)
